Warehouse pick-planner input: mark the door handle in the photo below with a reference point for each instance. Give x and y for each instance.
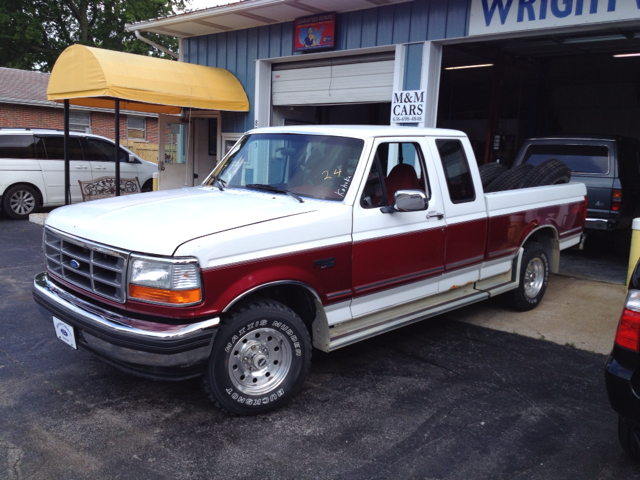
(80, 167)
(438, 216)
(100, 168)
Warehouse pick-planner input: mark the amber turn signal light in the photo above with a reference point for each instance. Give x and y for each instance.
(175, 297)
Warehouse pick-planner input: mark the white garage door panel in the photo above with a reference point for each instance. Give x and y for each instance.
(351, 83)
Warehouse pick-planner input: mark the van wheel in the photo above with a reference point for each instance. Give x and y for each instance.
(19, 201)
(534, 277)
(260, 359)
(147, 187)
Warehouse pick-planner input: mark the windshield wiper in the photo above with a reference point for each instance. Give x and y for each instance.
(271, 188)
(221, 183)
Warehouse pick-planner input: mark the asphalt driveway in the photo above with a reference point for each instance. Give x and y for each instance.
(440, 400)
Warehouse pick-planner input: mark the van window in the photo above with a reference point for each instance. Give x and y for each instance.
(593, 159)
(54, 147)
(102, 151)
(456, 171)
(17, 146)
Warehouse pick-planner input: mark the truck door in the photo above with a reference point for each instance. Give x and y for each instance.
(397, 257)
(465, 212)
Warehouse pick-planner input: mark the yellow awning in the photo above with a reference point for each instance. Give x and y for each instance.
(93, 77)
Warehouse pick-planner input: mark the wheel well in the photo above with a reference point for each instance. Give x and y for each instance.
(296, 297)
(548, 238)
(38, 192)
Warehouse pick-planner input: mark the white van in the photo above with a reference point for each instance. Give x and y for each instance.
(32, 168)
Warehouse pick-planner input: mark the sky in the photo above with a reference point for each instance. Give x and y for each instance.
(202, 4)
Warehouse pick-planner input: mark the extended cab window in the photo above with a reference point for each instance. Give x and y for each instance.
(315, 166)
(396, 166)
(456, 171)
(592, 159)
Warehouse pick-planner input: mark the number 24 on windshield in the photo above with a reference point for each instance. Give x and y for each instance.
(337, 172)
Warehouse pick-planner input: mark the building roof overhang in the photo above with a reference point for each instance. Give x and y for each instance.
(248, 14)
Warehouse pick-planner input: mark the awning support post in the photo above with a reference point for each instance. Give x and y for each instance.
(67, 181)
(116, 159)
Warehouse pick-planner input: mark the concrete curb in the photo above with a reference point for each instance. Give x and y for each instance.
(38, 218)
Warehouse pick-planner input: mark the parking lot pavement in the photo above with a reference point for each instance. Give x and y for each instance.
(575, 312)
(439, 399)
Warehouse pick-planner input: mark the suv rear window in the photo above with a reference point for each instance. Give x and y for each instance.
(579, 158)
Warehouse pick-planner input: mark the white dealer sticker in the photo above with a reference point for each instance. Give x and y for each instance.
(64, 332)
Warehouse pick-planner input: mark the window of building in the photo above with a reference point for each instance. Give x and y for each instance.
(80, 122)
(136, 128)
(456, 171)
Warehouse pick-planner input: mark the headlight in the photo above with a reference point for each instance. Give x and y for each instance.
(168, 282)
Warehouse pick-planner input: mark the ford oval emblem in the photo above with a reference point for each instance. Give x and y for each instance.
(74, 264)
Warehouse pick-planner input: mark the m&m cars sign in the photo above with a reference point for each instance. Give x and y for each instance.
(315, 32)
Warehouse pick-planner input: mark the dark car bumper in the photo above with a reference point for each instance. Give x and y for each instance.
(620, 390)
(145, 348)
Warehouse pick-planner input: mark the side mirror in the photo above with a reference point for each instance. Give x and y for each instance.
(408, 201)
(132, 158)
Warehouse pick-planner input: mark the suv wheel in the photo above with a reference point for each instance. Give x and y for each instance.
(19, 201)
(629, 437)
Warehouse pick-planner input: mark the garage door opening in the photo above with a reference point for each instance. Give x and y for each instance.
(542, 86)
(353, 89)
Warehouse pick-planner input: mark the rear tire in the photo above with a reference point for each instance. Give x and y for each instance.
(260, 359)
(534, 278)
(510, 179)
(489, 172)
(629, 438)
(549, 172)
(19, 201)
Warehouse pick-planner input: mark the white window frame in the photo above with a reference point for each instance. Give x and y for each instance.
(76, 126)
(143, 130)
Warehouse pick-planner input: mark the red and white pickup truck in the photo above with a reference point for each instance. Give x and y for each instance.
(320, 235)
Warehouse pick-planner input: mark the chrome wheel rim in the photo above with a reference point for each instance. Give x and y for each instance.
(534, 278)
(22, 202)
(260, 361)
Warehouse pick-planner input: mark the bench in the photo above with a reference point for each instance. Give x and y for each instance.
(105, 187)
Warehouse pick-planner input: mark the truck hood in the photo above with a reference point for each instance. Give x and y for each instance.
(158, 222)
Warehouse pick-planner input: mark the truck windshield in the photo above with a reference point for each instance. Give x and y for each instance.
(592, 159)
(314, 166)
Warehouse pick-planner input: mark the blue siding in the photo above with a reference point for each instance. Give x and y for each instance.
(415, 21)
(413, 67)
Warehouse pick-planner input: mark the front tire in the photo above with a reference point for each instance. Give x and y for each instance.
(260, 359)
(534, 278)
(19, 201)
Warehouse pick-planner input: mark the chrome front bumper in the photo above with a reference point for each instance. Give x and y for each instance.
(146, 348)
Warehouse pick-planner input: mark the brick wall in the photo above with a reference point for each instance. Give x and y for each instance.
(102, 123)
(23, 116)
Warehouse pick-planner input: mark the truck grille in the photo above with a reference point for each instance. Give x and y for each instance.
(92, 267)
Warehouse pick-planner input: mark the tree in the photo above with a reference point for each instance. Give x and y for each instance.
(34, 33)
